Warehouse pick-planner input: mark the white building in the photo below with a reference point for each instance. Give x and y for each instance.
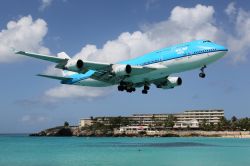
(194, 124)
(85, 122)
(133, 128)
(191, 119)
(208, 116)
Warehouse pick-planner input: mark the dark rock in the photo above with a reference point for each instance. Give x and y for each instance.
(57, 131)
(64, 132)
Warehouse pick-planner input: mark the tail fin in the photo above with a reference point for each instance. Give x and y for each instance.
(63, 55)
(65, 73)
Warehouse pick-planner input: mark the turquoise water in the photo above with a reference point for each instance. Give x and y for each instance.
(73, 151)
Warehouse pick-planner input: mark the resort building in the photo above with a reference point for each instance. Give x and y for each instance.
(191, 119)
(86, 122)
(133, 128)
(201, 116)
(194, 124)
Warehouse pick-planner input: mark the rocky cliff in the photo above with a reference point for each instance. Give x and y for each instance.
(56, 131)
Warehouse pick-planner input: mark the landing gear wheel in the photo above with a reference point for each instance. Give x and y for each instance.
(133, 89)
(120, 88)
(146, 87)
(122, 83)
(202, 75)
(129, 90)
(144, 91)
(159, 86)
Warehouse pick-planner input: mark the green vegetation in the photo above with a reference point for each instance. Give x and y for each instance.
(234, 124)
(98, 129)
(66, 124)
(169, 122)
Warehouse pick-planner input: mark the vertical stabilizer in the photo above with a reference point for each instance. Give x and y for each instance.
(65, 73)
(63, 55)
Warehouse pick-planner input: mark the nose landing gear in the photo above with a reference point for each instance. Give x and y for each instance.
(202, 73)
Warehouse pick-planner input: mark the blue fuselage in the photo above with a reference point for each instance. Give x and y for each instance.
(175, 52)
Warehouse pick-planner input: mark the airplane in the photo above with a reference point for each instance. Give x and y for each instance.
(151, 68)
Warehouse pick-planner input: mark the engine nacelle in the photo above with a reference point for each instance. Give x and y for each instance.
(172, 82)
(74, 65)
(120, 69)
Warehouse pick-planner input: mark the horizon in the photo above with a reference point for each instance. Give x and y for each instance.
(118, 31)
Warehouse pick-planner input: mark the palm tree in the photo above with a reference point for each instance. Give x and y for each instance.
(225, 124)
(203, 125)
(234, 119)
(234, 123)
(66, 124)
(169, 122)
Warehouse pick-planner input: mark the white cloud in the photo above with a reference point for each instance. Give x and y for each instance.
(238, 40)
(66, 91)
(231, 9)
(24, 34)
(33, 119)
(178, 27)
(45, 4)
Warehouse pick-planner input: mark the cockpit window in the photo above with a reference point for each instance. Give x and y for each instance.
(206, 41)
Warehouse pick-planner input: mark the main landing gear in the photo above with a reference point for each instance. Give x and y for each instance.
(129, 88)
(202, 73)
(123, 86)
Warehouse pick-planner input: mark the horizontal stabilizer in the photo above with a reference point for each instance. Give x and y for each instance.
(54, 77)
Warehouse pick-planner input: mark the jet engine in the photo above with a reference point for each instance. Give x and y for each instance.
(120, 69)
(172, 82)
(74, 65)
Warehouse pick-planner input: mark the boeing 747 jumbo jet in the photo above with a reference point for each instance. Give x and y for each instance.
(152, 68)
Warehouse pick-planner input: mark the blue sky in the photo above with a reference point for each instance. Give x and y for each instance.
(30, 103)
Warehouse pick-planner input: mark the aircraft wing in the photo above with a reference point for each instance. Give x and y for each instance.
(43, 57)
(90, 65)
(114, 73)
(108, 67)
(106, 72)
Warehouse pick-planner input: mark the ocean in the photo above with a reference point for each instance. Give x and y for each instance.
(22, 150)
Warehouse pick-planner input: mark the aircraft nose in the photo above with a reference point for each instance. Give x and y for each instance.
(221, 51)
(221, 48)
(224, 48)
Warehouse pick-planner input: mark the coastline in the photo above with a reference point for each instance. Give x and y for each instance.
(76, 131)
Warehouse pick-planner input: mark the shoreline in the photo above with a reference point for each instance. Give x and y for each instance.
(75, 131)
